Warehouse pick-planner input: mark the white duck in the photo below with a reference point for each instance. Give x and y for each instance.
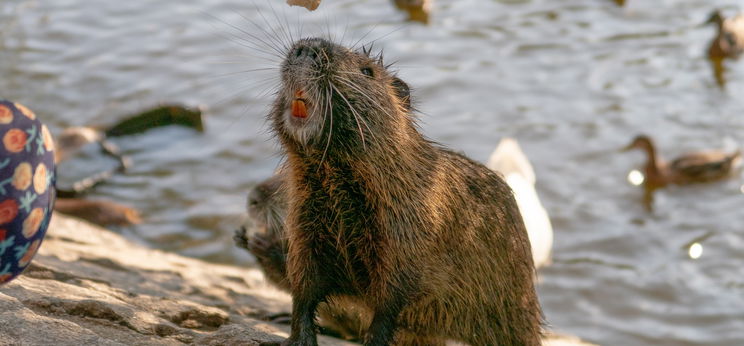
(509, 160)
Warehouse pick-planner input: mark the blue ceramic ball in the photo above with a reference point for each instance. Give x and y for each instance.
(27, 188)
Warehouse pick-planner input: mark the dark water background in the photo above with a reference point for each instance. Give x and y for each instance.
(572, 80)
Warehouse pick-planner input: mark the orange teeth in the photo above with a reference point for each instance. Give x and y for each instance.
(299, 109)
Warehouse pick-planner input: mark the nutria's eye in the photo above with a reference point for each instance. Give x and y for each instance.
(367, 72)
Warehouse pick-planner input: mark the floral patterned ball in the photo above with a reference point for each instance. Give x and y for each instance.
(27, 189)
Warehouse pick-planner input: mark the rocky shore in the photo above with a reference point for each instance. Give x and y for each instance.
(90, 286)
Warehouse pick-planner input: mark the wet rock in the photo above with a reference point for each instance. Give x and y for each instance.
(90, 286)
(199, 319)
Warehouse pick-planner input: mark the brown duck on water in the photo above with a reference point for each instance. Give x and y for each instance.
(696, 167)
(728, 42)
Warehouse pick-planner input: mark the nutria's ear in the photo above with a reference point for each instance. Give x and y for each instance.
(403, 92)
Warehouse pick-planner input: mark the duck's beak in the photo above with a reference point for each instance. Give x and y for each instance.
(627, 147)
(707, 22)
(714, 18)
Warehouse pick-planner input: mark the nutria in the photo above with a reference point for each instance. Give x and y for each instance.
(267, 240)
(427, 240)
(267, 207)
(268, 243)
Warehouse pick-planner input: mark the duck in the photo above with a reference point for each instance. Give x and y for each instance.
(509, 160)
(694, 167)
(728, 43)
(729, 40)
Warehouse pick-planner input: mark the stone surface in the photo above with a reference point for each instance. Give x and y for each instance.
(90, 286)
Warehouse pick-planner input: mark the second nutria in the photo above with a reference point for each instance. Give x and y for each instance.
(269, 242)
(428, 241)
(267, 208)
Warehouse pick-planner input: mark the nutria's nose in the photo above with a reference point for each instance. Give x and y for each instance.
(308, 48)
(304, 51)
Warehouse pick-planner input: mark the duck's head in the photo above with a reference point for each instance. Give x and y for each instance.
(640, 142)
(716, 17)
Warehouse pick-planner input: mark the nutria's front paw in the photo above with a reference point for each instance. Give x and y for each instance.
(268, 252)
(259, 245)
(240, 237)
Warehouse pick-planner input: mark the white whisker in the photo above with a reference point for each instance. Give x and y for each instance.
(354, 113)
(330, 131)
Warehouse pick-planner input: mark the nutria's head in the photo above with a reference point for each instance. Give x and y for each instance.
(267, 204)
(331, 95)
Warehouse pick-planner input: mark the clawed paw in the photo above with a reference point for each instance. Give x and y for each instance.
(240, 237)
(259, 244)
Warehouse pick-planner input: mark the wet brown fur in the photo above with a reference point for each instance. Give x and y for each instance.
(268, 243)
(431, 242)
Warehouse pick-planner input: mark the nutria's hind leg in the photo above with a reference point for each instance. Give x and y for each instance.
(305, 300)
(343, 319)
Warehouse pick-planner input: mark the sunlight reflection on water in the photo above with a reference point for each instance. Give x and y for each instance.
(696, 250)
(635, 177)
